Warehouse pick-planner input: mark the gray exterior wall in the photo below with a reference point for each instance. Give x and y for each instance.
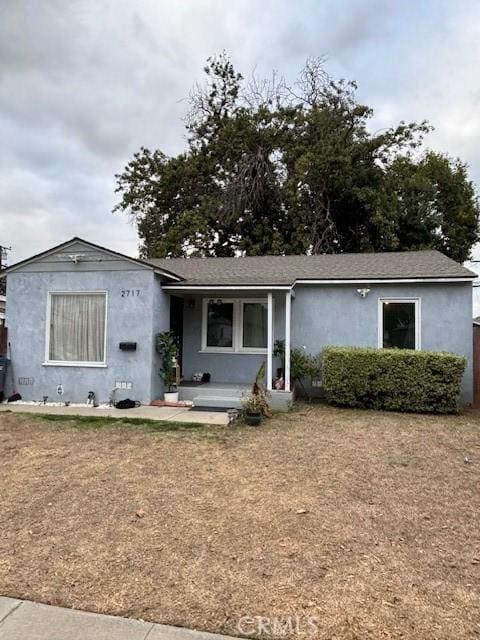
(133, 318)
(337, 315)
(321, 316)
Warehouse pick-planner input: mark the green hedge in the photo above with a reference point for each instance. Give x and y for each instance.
(393, 379)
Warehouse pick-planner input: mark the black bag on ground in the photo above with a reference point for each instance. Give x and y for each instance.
(127, 404)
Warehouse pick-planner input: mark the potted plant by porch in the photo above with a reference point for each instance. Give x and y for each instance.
(255, 404)
(252, 409)
(166, 346)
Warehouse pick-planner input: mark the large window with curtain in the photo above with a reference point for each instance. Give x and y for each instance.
(77, 324)
(235, 325)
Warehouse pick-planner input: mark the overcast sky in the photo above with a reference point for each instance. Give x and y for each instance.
(83, 84)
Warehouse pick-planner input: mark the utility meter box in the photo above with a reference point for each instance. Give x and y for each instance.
(128, 346)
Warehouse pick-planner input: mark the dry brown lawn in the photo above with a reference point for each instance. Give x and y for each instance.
(366, 522)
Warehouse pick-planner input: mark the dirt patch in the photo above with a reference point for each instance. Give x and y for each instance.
(366, 523)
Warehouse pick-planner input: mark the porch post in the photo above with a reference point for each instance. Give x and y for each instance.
(288, 306)
(269, 341)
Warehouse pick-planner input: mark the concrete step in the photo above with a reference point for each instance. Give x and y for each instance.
(219, 402)
(224, 391)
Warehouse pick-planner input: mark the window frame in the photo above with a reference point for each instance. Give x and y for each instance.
(74, 363)
(237, 328)
(207, 348)
(241, 303)
(418, 317)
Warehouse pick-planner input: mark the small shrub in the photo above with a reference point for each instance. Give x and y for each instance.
(393, 379)
(252, 403)
(167, 347)
(303, 366)
(259, 395)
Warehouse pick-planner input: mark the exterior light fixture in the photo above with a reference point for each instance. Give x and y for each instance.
(363, 293)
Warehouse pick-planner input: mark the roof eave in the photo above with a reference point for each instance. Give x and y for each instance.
(186, 286)
(227, 287)
(64, 245)
(394, 280)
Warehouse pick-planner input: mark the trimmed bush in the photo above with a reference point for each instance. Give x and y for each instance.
(393, 379)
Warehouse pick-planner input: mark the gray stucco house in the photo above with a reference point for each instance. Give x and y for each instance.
(71, 309)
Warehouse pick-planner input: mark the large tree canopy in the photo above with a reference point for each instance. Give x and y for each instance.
(272, 169)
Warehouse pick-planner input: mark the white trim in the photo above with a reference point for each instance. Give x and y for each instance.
(288, 316)
(269, 341)
(225, 350)
(384, 280)
(205, 348)
(70, 363)
(418, 319)
(232, 287)
(61, 363)
(161, 272)
(237, 328)
(265, 287)
(241, 303)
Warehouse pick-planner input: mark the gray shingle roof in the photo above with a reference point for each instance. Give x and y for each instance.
(285, 270)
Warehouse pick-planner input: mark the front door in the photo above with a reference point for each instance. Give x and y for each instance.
(176, 323)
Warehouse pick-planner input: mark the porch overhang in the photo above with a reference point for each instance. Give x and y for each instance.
(226, 288)
(231, 292)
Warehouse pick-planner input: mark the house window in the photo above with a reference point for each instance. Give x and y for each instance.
(399, 325)
(235, 325)
(77, 328)
(220, 324)
(254, 325)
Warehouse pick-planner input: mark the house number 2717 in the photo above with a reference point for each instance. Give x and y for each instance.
(130, 293)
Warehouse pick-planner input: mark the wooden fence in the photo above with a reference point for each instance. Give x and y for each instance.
(476, 366)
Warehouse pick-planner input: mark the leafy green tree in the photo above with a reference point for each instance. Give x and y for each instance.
(276, 169)
(170, 200)
(433, 205)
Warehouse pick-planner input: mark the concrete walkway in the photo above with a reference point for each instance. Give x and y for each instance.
(171, 414)
(24, 620)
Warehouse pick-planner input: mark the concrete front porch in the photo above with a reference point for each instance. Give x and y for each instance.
(226, 335)
(228, 395)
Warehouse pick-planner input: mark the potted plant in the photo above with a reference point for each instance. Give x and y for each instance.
(252, 409)
(166, 346)
(255, 404)
(303, 366)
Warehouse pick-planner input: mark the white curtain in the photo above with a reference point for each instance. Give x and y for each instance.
(77, 327)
